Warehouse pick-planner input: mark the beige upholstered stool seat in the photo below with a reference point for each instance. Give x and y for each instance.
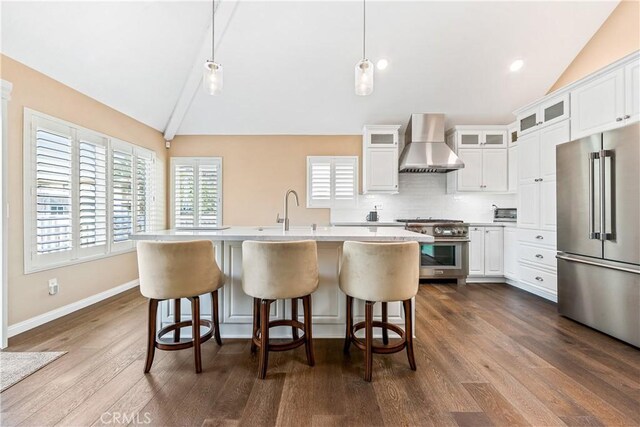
(380, 272)
(280, 270)
(175, 270)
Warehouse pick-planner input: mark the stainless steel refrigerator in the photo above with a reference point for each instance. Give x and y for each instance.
(598, 205)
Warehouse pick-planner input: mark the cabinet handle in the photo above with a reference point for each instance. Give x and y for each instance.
(539, 237)
(539, 256)
(536, 180)
(539, 279)
(627, 116)
(540, 179)
(618, 119)
(538, 124)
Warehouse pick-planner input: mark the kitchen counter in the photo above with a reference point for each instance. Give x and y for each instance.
(236, 308)
(275, 233)
(492, 224)
(369, 224)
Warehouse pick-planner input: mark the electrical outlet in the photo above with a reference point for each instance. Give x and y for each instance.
(378, 206)
(53, 286)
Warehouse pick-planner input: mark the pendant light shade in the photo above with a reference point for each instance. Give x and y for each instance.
(364, 78)
(364, 67)
(212, 73)
(212, 78)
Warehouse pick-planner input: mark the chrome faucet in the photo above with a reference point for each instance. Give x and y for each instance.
(285, 220)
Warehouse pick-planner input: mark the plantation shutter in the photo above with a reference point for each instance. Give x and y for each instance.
(53, 189)
(144, 190)
(345, 180)
(92, 193)
(197, 192)
(208, 194)
(331, 181)
(122, 194)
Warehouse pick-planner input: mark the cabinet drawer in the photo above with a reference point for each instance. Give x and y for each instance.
(537, 255)
(538, 278)
(538, 237)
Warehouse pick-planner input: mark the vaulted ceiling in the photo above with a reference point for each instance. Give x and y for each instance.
(289, 65)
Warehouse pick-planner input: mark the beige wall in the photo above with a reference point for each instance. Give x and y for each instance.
(258, 170)
(616, 38)
(28, 294)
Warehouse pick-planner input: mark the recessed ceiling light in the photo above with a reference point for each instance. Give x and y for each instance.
(516, 65)
(382, 64)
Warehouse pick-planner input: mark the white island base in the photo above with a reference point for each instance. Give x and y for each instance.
(328, 302)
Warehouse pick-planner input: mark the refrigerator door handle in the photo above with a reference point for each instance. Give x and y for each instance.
(593, 235)
(606, 208)
(597, 264)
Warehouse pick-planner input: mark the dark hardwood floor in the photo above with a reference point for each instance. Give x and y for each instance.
(486, 354)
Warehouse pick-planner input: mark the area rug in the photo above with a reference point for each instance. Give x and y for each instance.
(16, 366)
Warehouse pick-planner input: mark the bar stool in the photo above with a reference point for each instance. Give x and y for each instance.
(280, 270)
(175, 270)
(379, 272)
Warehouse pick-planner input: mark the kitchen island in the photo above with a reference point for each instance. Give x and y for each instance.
(328, 302)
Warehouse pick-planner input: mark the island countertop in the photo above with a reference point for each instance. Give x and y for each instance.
(275, 233)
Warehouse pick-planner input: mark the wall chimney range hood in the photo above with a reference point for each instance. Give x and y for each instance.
(425, 150)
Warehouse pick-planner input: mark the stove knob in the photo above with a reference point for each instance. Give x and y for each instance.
(437, 230)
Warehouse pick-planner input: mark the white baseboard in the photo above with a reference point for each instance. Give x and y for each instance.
(486, 279)
(41, 319)
(541, 292)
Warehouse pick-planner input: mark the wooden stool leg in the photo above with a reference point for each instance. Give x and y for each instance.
(294, 316)
(151, 334)
(368, 367)
(264, 338)
(215, 316)
(385, 319)
(195, 310)
(347, 337)
(408, 332)
(256, 322)
(308, 342)
(177, 316)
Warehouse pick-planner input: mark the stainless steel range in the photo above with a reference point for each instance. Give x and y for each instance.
(448, 256)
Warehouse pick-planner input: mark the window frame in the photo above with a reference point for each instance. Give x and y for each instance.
(33, 262)
(178, 160)
(332, 202)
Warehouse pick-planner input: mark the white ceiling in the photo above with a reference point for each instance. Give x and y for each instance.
(289, 65)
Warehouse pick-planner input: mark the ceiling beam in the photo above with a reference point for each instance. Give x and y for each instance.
(194, 78)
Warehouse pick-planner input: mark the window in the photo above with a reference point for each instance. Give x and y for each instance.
(84, 192)
(332, 181)
(196, 192)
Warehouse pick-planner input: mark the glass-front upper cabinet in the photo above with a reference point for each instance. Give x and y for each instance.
(471, 138)
(495, 139)
(381, 135)
(551, 111)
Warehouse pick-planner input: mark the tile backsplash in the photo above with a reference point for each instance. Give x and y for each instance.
(425, 195)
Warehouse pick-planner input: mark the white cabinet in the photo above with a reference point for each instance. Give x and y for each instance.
(598, 105)
(550, 111)
(495, 170)
(381, 170)
(487, 138)
(510, 253)
(470, 177)
(537, 176)
(606, 102)
(486, 251)
(632, 91)
(380, 159)
(483, 150)
(512, 169)
(476, 251)
(493, 251)
(484, 170)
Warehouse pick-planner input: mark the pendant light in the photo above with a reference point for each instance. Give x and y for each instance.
(212, 74)
(364, 67)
